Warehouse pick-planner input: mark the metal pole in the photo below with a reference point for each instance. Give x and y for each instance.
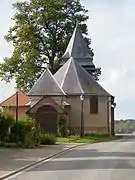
(82, 121)
(17, 116)
(112, 122)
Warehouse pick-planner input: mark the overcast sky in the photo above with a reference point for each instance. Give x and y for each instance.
(111, 27)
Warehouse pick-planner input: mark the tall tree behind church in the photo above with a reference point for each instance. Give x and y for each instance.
(41, 32)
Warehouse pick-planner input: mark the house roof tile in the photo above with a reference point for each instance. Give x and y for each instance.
(23, 100)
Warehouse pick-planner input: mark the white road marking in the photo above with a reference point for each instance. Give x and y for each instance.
(95, 158)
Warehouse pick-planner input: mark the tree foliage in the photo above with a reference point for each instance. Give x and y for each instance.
(41, 32)
(125, 126)
(6, 121)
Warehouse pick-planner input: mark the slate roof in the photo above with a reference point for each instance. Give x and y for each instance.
(74, 79)
(78, 49)
(46, 85)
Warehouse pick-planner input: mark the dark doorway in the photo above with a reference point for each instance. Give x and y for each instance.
(46, 116)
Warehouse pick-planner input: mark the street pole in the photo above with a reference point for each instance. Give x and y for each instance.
(82, 117)
(16, 115)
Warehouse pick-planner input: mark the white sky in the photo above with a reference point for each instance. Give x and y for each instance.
(111, 27)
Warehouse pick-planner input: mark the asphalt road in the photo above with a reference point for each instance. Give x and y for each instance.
(101, 161)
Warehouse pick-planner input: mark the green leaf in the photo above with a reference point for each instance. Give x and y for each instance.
(41, 32)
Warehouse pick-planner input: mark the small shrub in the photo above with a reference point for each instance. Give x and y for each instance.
(28, 132)
(95, 135)
(62, 126)
(74, 132)
(29, 141)
(6, 122)
(47, 139)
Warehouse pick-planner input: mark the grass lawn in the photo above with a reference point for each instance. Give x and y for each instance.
(86, 139)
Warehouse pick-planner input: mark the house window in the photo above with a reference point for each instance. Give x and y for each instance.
(94, 104)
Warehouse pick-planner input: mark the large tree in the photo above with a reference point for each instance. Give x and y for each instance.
(41, 32)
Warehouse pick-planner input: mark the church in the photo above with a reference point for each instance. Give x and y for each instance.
(73, 92)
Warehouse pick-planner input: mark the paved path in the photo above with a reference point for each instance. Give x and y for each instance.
(102, 161)
(14, 159)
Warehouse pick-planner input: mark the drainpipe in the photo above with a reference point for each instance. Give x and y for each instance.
(113, 105)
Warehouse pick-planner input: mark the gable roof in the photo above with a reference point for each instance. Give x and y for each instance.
(46, 85)
(23, 100)
(74, 79)
(78, 49)
(45, 101)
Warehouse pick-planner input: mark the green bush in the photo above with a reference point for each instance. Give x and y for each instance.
(27, 133)
(47, 139)
(74, 132)
(6, 122)
(96, 135)
(62, 126)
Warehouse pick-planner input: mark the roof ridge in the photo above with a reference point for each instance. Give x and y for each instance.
(76, 42)
(56, 82)
(65, 73)
(91, 77)
(44, 72)
(75, 33)
(73, 60)
(7, 99)
(46, 85)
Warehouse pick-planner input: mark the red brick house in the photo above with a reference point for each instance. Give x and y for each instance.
(23, 104)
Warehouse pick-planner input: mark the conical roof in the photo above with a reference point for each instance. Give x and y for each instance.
(74, 79)
(78, 49)
(46, 85)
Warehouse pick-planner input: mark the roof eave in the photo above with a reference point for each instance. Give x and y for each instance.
(46, 94)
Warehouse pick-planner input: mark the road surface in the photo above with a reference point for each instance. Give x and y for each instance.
(101, 161)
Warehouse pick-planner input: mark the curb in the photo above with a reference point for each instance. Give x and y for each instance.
(39, 162)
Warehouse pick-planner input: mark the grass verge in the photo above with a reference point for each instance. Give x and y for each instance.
(86, 139)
